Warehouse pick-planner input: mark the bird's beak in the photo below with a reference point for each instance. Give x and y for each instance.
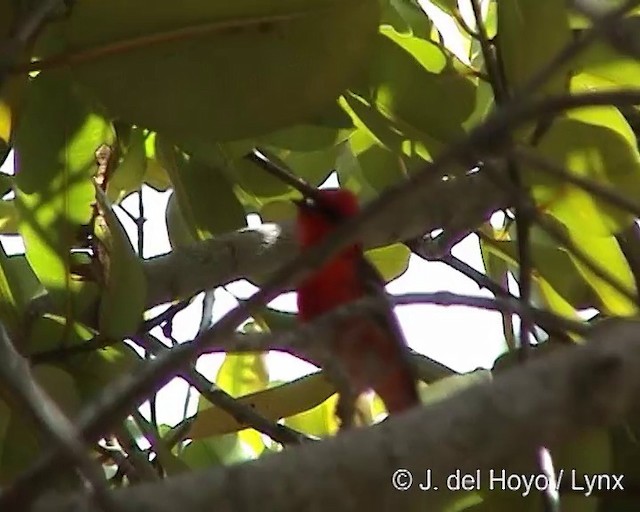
(303, 203)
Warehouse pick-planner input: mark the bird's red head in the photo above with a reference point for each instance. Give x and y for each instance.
(315, 221)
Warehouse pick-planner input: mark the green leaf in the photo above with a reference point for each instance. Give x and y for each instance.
(241, 68)
(155, 174)
(241, 374)
(95, 370)
(307, 137)
(405, 17)
(13, 84)
(391, 261)
(605, 253)
(55, 146)
(123, 299)
(553, 265)
(60, 386)
(9, 217)
(600, 150)
(128, 175)
(6, 184)
(21, 443)
(223, 450)
(411, 82)
(278, 211)
(320, 421)
(179, 233)
(19, 287)
(273, 403)
(448, 6)
(51, 332)
(20, 448)
(530, 34)
(610, 69)
(206, 199)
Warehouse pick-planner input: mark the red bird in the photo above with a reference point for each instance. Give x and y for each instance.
(370, 347)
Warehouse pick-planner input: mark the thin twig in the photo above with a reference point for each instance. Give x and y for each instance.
(242, 413)
(601, 190)
(582, 256)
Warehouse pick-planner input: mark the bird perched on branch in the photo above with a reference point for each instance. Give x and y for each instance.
(370, 347)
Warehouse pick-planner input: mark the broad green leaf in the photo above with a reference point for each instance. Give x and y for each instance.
(381, 152)
(278, 211)
(394, 135)
(447, 6)
(379, 166)
(321, 421)
(55, 161)
(553, 301)
(552, 264)
(391, 261)
(12, 85)
(155, 175)
(205, 196)
(612, 68)
(313, 166)
(20, 447)
(95, 370)
(10, 311)
(179, 233)
(605, 253)
(22, 443)
(18, 286)
(497, 269)
(242, 374)
(604, 115)
(406, 17)
(598, 150)
(6, 184)
(124, 295)
(51, 332)
(60, 386)
(9, 218)
(312, 135)
(530, 34)
(273, 403)
(223, 450)
(128, 175)
(241, 68)
(12, 92)
(411, 82)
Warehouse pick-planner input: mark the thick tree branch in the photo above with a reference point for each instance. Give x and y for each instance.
(255, 253)
(544, 402)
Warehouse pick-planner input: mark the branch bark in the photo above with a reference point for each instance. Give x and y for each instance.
(543, 402)
(255, 253)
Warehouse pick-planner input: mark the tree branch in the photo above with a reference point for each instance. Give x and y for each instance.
(544, 402)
